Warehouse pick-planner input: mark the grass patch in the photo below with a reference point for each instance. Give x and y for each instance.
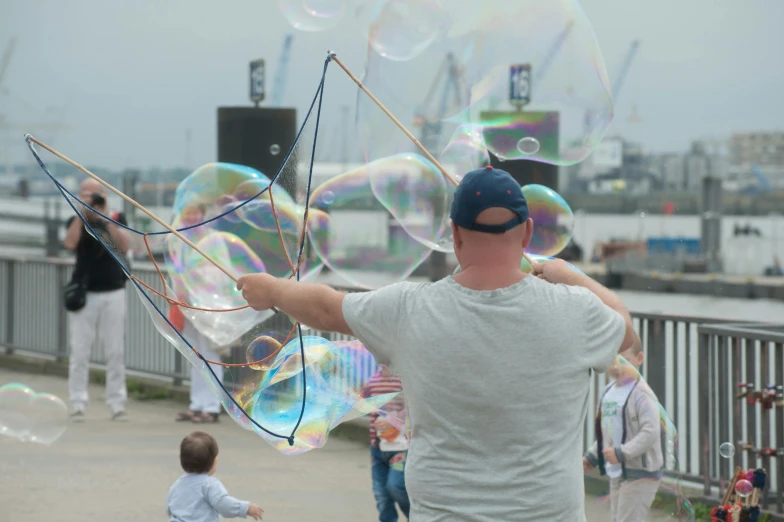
(142, 392)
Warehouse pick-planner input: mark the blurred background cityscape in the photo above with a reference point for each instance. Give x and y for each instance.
(642, 194)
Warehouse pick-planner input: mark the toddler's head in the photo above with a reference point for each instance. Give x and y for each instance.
(192, 214)
(629, 369)
(199, 453)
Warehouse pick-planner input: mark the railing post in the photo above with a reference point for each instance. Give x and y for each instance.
(177, 381)
(9, 333)
(704, 406)
(62, 317)
(657, 358)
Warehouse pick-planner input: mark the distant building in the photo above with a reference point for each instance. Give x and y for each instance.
(758, 148)
(670, 169)
(758, 160)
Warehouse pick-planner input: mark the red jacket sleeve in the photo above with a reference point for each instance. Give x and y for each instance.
(176, 318)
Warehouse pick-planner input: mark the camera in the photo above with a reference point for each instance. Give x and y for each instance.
(98, 200)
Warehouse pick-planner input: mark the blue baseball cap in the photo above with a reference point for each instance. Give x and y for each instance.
(488, 188)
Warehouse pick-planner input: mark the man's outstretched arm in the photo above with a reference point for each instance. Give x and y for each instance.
(318, 306)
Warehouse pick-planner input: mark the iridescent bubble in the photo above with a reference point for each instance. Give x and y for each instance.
(465, 151)
(331, 398)
(528, 146)
(15, 418)
(328, 197)
(208, 287)
(355, 237)
(526, 267)
(744, 488)
(275, 149)
(251, 237)
(252, 188)
(459, 86)
(225, 205)
(400, 30)
(261, 350)
(727, 450)
(545, 53)
(313, 15)
(29, 416)
(49, 416)
(416, 194)
(553, 220)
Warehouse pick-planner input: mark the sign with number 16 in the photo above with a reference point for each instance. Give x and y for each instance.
(520, 84)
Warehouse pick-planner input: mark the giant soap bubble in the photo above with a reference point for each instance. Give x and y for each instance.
(350, 229)
(400, 30)
(553, 220)
(454, 94)
(313, 15)
(226, 211)
(29, 416)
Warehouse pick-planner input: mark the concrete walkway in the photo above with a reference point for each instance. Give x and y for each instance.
(109, 471)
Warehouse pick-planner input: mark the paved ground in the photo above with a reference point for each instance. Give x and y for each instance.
(102, 470)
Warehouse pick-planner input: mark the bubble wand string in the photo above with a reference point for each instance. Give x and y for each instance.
(137, 205)
(402, 127)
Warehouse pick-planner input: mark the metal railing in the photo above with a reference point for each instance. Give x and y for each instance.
(733, 355)
(693, 364)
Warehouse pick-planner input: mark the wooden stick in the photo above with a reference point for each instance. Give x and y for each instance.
(137, 205)
(394, 120)
(731, 488)
(402, 127)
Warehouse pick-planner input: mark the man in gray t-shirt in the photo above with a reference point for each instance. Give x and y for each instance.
(495, 363)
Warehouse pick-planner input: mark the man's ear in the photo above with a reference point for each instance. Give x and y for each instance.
(529, 232)
(457, 240)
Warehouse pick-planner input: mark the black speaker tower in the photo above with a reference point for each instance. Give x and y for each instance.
(257, 137)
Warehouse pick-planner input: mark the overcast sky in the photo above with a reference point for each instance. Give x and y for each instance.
(130, 77)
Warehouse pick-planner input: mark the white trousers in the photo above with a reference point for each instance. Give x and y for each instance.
(100, 323)
(630, 500)
(203, 397)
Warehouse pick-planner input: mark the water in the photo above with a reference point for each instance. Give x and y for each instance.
(763, 310)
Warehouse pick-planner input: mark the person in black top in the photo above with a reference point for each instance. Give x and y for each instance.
(102, 318)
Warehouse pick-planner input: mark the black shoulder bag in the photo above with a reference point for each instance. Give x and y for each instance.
(75, 292)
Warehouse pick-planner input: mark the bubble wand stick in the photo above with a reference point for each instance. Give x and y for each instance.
(135, 204)
(402, 127)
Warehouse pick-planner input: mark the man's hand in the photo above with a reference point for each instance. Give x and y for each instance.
(257, 290)
(255, 511)
(88, 214)
(609, 455)
(556, 271)
(587, 466)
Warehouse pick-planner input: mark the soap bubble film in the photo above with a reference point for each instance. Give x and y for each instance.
(743, 488)
(727, 450)
(312, 16)
(352, 232)
(462, 77)
(400, 30)
(553, 220)
(289, 388)
(292, 388)
(31, 417)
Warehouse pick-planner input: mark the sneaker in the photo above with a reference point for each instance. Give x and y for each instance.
(77, 416)
(120, 416)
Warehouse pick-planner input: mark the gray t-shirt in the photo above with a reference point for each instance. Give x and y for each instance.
(497, 387)
(195, 497)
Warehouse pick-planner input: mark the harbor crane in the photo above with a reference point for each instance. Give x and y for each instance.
(279, 88)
